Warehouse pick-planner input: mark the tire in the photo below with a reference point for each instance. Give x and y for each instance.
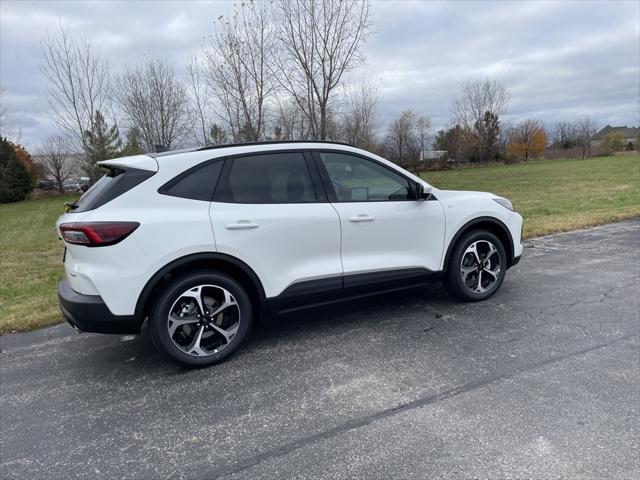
(200, 341)
(477, 266)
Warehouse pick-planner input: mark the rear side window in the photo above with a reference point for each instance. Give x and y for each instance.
(268, 178)
(113, 184)
(196, 183)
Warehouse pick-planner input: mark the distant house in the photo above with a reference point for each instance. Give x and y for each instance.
(629, 134)
(428, 155)
(73, 162)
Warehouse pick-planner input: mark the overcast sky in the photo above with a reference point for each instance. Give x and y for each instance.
(558, 59)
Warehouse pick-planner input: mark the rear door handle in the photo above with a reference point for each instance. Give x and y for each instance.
(363, 217)
(241, 225)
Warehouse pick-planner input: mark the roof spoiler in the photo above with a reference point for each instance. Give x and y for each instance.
(141, 162)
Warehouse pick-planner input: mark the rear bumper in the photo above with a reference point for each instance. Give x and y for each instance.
(515, 261)
(89, 313)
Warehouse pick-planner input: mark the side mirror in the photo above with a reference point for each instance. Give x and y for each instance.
(421, 193)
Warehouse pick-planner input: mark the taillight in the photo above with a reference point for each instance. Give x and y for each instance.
(97, 234)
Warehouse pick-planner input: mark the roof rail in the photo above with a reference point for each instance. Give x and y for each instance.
(271, 142)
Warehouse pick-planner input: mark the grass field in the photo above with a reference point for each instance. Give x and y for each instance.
(552, 196)
(557, 195)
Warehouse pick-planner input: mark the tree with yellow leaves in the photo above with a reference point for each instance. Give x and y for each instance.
(527, 139)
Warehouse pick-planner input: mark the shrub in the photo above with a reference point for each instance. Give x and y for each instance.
(15, 181)
(614, 141)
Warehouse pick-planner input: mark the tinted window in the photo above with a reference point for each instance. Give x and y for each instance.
(116, 182)
(197, 183)
(356, 179)
(270, 178)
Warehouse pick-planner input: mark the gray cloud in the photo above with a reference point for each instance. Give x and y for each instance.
(558, 59)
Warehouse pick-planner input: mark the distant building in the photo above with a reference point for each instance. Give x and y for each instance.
(629, 134)
(429, 155)
(73, 162)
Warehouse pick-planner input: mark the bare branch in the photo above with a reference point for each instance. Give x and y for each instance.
(154, 101)
(319, 42)
(239, 55)
(54, 153)
(200, 104)
(359, 122)
(78, 82)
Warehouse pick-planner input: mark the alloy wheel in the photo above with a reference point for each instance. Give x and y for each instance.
(203, 320)
(480, 266)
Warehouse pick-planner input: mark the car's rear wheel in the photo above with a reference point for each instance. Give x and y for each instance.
(201, 318)
(477, 266)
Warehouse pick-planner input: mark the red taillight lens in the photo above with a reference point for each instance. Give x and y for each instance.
(97, 234)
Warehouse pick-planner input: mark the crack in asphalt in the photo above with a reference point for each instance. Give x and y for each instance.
(406, 407)
(540, 312)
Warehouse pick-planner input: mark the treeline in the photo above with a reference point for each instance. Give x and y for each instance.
(279, 70)
(268, 71)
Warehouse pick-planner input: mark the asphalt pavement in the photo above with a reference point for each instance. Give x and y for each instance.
(540, 381)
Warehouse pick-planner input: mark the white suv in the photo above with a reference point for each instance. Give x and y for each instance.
(202, 242)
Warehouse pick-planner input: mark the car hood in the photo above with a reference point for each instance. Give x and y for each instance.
(457, 194)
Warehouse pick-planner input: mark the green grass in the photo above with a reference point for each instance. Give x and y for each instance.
(552, 195)
(557, 195)
(31, 259)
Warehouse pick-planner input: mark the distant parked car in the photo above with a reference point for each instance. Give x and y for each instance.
(71, 186)
(85, 183)
(47, 185)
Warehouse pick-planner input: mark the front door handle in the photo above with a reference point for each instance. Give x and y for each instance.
(241, 225)
(363, 217)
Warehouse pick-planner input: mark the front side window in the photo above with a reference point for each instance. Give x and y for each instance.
(355, 179)
(268, 178)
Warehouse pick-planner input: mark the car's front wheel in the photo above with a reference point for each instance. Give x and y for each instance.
(201, 318)
(477, 266)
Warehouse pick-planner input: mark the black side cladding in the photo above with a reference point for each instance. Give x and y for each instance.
(113, 184)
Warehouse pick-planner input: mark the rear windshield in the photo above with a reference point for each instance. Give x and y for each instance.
(113, 184)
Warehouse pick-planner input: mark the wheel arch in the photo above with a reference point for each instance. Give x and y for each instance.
(221, 262)
(490, 224)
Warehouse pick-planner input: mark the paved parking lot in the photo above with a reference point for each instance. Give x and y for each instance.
(541, 381)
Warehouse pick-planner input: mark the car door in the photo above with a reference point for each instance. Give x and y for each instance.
(386, 233)
(271, 213)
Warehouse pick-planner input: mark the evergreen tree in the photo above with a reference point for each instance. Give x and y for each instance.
(15, 181)
(488, 129)
(102, 143)
(218, 135)
(133, 146)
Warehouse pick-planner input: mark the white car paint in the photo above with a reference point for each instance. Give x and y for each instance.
(291, 243)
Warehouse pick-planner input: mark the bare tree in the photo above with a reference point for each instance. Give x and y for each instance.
(359, 122)
(406, 138)
(290, 123)
(319, 40)
(54, 154)
(78, 84)
(585, 128)
(564, 135)
(470, 108)
(422, 131)
(200, 105)
(239, 55)
(154, 101)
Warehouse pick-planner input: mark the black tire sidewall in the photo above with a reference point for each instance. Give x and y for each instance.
(454, 279)
(165, 300)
